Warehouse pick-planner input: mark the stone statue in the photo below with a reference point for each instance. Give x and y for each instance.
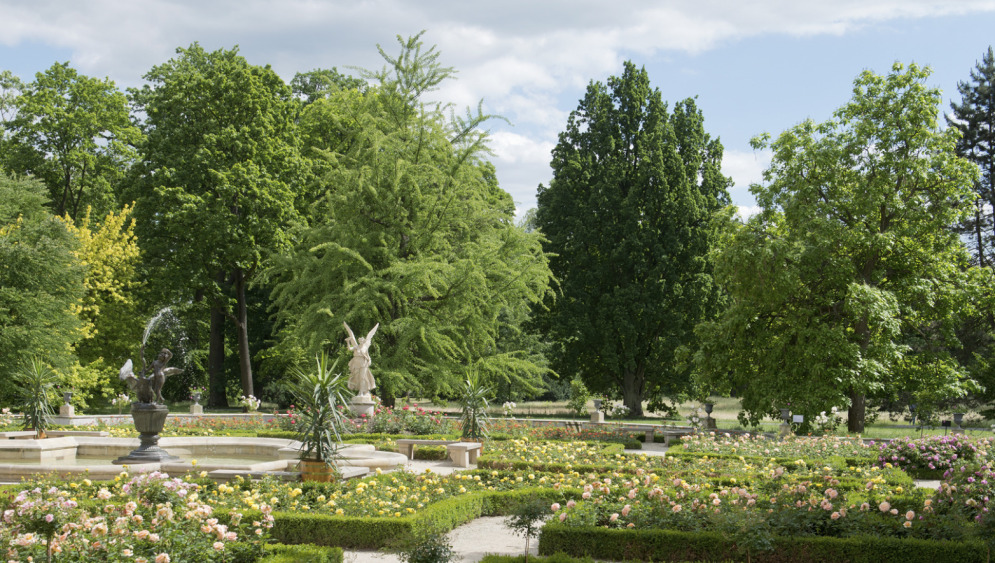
(149, 387)
(360, 376)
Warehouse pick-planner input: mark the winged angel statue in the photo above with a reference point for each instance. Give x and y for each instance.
(149, 387)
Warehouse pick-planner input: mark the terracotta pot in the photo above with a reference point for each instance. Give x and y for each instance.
(317, 471)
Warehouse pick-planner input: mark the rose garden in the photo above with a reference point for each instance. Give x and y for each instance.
(630, 371)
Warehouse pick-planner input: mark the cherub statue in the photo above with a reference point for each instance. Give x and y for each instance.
(149, 388)
(360, 376)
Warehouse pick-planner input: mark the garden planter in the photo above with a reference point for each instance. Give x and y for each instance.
(316, 471)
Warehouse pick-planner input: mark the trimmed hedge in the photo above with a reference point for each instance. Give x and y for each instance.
(555, 558)
(304, 553)
(667, 545)
(373, 533)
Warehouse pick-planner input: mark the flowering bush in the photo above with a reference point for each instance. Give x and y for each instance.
(612, 410)
(828, 423)
(121, 401)
(7, 419)
(517, 429)
(148, 518)
(406, 419)
(937, 453)
(509, 408)
(759, 445)
(783, 508)
(250, 403)
(697, 417)
(570, 454)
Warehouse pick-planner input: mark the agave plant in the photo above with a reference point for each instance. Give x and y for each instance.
(473, 408)
(320, 392)
(34, 384)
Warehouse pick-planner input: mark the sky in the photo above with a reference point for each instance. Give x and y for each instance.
(755, 67)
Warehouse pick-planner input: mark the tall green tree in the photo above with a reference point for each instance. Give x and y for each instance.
(41, 282)
(974, 117)
(629, 216)
(850, 281)
(221, 173)
(316, 84)
(75, 134)
(415, 234)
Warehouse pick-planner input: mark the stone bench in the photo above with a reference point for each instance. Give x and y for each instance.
(406, 446)
(63, 433)
(18, 435)
(649, 429)
(464, 454)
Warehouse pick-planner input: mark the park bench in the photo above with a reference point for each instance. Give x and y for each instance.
(461, 453)
(464, 454)
(406, 446)
(18, 435)
(649, 429)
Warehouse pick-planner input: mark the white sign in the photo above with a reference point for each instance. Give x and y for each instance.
(798, 418)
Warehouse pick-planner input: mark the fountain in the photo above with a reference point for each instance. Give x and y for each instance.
(101, 457)
(149, 411)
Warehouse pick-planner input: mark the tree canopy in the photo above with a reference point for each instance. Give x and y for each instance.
(849, 281)
(630, 216)
(220, 179)
(41, 282)
(413, 233)
(974, 118)
(72, 132)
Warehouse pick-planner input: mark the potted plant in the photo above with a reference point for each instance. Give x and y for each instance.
(473, 409)
(318, 394)
(121, 401)
(250, 403)
(33, 384)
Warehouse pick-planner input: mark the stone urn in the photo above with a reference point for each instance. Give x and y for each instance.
(149, 419)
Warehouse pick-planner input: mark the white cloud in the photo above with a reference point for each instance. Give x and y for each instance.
(519, 56)
(745, 168)
(744, 212)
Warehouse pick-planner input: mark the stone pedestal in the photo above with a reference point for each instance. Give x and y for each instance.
(363, 404)
(149, 419)
(67, 410)
(710, 423)
(784, 430)
(196, 409)
(598, 417)
(957, 430)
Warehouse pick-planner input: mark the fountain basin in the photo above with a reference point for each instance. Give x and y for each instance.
(223, 457)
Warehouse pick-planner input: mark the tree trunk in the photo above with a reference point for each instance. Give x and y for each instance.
(216, 376)
(857, 411)
(242, 334)
(633, 384)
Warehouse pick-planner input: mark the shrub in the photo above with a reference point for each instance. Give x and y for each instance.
(579, 396)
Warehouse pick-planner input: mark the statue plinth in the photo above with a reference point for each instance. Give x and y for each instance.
(363, 404)
(149, 419)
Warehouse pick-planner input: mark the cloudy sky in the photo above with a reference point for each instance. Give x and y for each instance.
(755, 66)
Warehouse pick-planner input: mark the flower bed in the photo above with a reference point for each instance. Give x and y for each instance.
(758, 445)
(146, 518)
(736, 497)
(931, 457)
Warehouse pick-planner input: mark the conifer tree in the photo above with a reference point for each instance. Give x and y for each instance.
(413, 233)
(974, 117)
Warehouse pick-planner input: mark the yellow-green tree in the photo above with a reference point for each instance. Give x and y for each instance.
(108, 250)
